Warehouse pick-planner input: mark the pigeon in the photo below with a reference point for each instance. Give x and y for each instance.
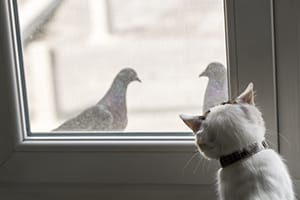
(216, 91)
(110, 113)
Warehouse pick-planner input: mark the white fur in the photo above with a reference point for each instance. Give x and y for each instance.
(261, 177)
(232, 127)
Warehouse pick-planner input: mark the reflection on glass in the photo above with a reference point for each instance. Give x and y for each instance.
(75, 50)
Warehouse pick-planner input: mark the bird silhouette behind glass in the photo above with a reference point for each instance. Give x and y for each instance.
(217, 90)
(110, 113)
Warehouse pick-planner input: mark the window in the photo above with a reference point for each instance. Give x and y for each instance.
(112, 167)
(74, 49)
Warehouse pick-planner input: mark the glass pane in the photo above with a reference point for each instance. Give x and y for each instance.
(74, 49)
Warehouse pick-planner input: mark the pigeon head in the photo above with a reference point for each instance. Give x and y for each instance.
(127, 75)
(214, 70)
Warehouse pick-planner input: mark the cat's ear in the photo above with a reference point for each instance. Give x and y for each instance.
(193, 122)
(247, 96)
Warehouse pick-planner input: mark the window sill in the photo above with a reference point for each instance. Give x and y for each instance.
(106, 143)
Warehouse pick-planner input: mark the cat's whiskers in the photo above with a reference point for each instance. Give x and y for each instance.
(269, 132)
(204, 163)
(190, 160)
(198, 165)
(208, 166)
(269, 142)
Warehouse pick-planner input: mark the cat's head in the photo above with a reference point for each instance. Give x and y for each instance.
(228, 127)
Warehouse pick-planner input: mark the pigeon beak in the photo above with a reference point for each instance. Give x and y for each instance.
(203, 74)
(138, 79)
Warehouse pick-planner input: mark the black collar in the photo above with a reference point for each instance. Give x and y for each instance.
(244, 153)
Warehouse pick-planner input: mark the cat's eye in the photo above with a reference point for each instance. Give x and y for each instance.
(226, 102)
(229, 102)
(202, 118)
(206, 113)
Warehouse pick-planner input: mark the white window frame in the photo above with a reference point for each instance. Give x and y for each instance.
(127, 167)
(287, 48)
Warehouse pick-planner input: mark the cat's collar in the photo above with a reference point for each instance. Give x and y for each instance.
(244, 153)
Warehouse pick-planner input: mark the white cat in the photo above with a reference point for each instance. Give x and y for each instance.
(233, 133)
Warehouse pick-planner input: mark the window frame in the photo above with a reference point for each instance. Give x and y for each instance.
(73, 166)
